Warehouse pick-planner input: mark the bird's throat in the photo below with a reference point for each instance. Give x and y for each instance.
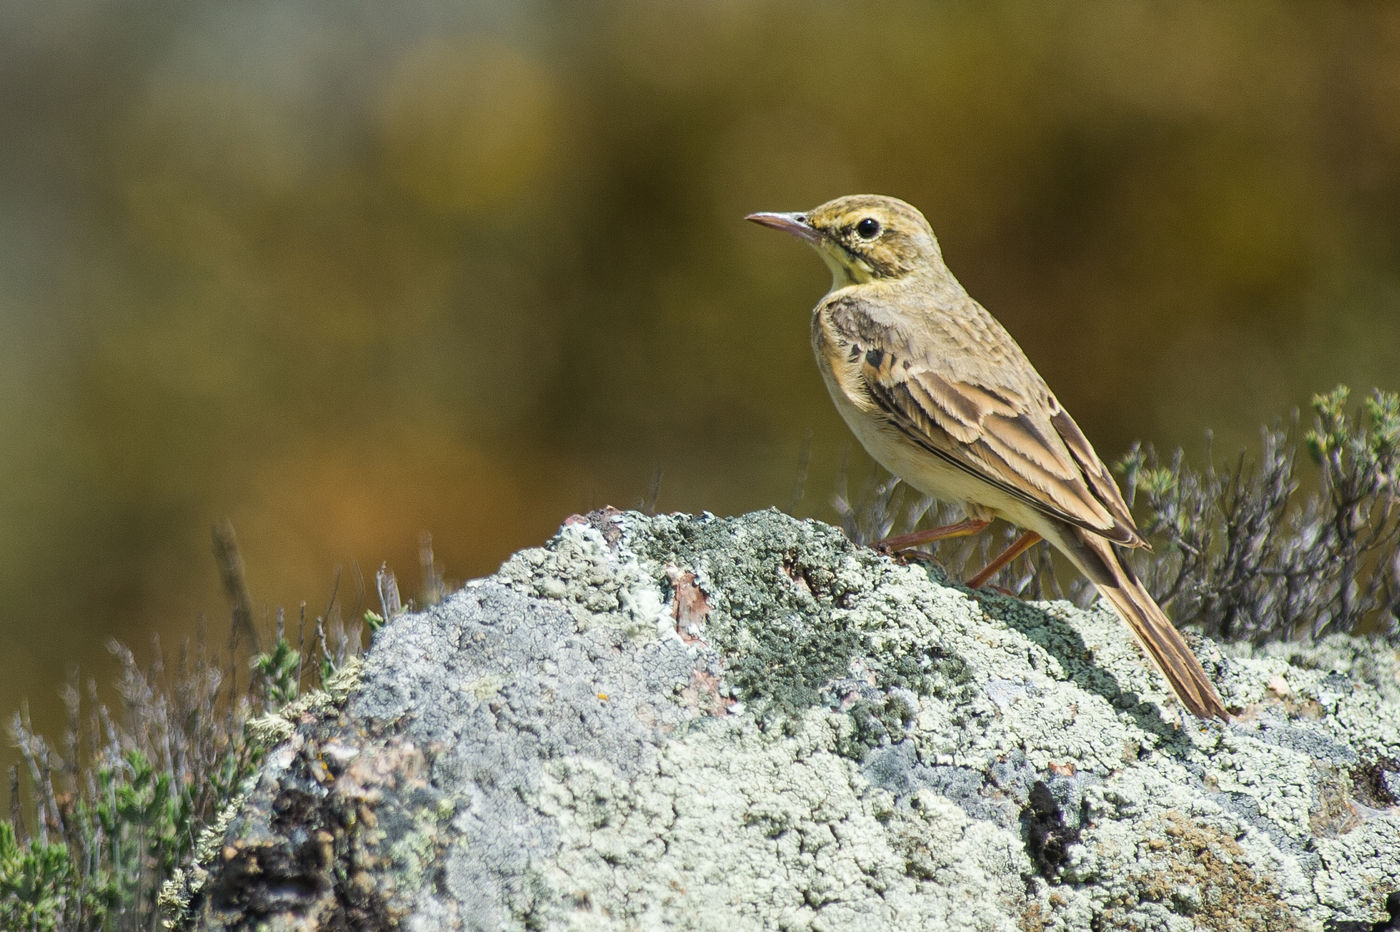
(846, 269)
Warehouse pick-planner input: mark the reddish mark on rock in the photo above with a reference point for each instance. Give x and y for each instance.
(691, 606)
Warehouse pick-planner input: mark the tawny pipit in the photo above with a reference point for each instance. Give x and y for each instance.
(943, 397)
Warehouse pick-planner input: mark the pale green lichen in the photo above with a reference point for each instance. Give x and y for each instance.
(902, 753)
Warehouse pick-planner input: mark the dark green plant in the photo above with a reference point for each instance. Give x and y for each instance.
(35, 881)
(277, 673)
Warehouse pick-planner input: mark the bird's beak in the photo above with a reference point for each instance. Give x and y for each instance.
(796, 224)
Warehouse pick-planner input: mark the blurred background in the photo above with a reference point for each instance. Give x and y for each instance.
(344, 273)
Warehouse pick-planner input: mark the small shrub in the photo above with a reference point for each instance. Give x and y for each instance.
(1255, 552)
(119, 807)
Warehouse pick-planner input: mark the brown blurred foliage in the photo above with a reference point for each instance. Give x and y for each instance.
(346, 272)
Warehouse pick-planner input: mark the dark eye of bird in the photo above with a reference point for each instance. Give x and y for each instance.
(869, 228)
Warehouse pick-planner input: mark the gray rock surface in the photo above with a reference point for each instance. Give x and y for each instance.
(749, 723)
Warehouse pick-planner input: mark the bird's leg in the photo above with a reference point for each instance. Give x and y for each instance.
(905, 541)
(1019, 546)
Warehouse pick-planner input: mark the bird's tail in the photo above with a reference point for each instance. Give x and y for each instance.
(1098, 559)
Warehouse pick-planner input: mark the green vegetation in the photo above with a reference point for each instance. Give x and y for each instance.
(120, 806)
(36, 880)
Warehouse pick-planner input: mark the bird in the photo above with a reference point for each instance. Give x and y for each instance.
(941, 395)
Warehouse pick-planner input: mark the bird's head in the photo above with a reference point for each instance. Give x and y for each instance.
(864, 238)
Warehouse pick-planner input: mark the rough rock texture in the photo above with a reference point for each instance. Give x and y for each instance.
(743, 723)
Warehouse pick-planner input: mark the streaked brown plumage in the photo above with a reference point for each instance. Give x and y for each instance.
(940, 394)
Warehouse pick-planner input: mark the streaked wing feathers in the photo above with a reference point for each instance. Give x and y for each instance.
(1023, 443)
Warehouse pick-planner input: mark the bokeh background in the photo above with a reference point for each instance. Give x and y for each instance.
(346, 272)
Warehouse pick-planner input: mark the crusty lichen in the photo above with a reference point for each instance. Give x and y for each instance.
(701, 722)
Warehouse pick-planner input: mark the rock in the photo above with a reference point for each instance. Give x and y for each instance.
(740, 723)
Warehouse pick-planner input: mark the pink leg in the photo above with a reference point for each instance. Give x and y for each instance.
(905, 541)
(1019, 546)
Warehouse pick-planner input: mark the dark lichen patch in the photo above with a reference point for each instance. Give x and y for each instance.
(313, 847)
(931, 671)
(789, 626)
(1377, 784)
(781, 665)
(1048, 837)
(876, 721)
(781, 640)
(817, 581)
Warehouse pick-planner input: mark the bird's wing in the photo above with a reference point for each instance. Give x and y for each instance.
(1009, 431)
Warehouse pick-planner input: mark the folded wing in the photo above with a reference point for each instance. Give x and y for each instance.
(1017, 438)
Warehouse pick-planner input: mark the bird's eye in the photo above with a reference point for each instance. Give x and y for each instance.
(869, 228)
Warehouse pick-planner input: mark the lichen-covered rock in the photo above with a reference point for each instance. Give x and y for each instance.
(744, 723)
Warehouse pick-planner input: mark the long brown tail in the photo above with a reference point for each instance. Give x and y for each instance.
(1099, 560)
